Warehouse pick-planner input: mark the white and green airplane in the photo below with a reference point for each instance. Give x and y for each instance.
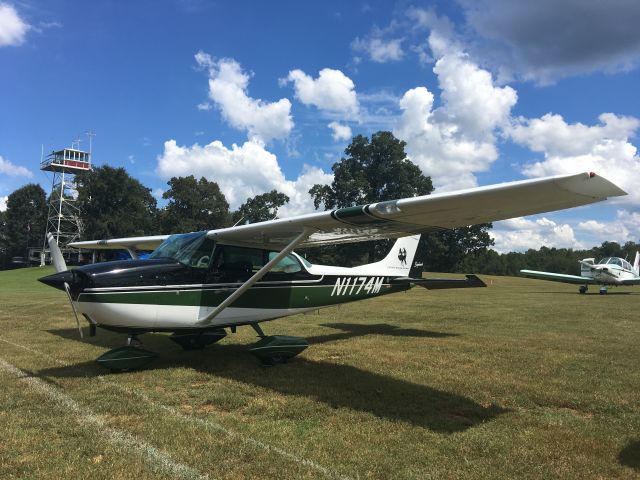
(196, 285)
(610, 271)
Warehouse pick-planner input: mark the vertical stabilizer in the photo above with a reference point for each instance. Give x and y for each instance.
(636, 264)
(398, 261)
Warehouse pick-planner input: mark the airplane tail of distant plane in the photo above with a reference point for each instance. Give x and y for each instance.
(636, 264)
(398, 261)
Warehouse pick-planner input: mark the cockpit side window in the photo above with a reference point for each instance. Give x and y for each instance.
(229, 258)
(234, 264)
(615, 261)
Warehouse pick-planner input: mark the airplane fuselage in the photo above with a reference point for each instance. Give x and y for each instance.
(609, 271)
(165, 295)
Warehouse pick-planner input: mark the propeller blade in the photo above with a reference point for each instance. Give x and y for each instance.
(68, 290)
(56, 255)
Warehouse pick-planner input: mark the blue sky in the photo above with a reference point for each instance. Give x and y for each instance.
(262, 95)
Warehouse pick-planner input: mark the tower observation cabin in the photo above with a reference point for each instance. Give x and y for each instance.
(63, 220)
(69, 159)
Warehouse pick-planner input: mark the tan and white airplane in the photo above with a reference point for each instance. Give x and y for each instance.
(610, 271)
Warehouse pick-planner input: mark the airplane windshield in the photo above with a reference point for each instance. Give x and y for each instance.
(192, 249)
(615, 261)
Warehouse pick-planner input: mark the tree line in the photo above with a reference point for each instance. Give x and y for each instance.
(113, 204)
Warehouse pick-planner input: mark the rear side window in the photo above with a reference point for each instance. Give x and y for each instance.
(288, 264)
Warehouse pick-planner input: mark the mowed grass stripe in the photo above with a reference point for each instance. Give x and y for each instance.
(197, 421)
(157, 459)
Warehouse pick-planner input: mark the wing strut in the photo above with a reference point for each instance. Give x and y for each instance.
(306, 232)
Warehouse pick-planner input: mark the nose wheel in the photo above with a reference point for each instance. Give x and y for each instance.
(583, 289)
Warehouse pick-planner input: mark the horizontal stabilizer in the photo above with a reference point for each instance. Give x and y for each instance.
(472, 281)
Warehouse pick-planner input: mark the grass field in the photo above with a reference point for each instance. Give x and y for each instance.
(524, 379)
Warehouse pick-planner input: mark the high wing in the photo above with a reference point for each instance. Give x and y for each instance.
(407, 216)
(559, 277)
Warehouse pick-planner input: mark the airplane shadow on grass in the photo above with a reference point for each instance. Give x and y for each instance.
(630, 455)
(336, 385)
(350, 330)
(588, 294)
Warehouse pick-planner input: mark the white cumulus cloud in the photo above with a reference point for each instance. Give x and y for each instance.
(332, 91)
(570, 148)
(241, 172)
(340, 132)
(8, 168)
(379, 49)
(13, 29)
(623, 228)
(228, 85)
(520, 234)
(457, 139)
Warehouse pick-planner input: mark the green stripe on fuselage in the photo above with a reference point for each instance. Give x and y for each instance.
(276, 297)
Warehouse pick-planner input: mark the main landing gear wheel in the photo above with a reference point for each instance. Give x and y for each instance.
(127, 358)
(603, 290)
(276, 349)
(583, 289)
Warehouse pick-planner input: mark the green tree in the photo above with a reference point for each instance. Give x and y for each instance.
(449, 250)
(260, 208)
(371, 171)
(608, 249)
(24, 221)
(3, 238)
(114, 204)
(194, 205)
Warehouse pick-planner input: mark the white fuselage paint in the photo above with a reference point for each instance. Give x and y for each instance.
(175, 316)
(607, 274)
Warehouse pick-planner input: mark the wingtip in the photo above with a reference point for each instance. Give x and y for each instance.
(606, 188)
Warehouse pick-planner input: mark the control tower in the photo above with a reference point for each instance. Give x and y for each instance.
(63, 220)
